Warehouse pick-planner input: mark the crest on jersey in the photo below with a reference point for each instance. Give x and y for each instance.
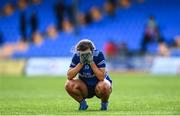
(86, 66)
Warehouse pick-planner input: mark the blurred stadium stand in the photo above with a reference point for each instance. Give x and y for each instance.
(126, 26)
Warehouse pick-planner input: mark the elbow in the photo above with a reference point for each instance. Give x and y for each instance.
(101, 77)
(69, 76)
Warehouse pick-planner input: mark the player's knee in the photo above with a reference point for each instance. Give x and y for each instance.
(69, 85)
(102, 87)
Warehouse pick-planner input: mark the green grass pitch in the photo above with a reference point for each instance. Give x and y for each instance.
(133, 94)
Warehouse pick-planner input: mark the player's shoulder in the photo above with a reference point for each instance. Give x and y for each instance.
(75, 56)
(97, 53)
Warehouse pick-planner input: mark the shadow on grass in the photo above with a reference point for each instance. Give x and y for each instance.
(92, 110)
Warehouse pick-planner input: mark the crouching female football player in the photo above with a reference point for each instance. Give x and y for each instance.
(92, 79)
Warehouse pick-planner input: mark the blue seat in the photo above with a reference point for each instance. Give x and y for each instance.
(127, 26)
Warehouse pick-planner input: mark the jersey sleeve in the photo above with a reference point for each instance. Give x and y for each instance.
(74, 61)
(101, 61)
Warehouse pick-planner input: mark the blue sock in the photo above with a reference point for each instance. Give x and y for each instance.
(83, 105)
(104, 105)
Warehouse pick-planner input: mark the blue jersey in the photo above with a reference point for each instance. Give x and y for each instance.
(86, 74)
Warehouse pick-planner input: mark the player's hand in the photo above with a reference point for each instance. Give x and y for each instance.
(90, 58)
(86, 57)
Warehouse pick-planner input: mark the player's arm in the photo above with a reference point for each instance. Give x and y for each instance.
(72, 72)
(99, 72)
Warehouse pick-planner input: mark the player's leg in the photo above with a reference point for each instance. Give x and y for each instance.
(78, 90)
(103, 90)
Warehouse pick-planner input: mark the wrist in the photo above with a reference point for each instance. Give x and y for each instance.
(80, 65)
(91, 63)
